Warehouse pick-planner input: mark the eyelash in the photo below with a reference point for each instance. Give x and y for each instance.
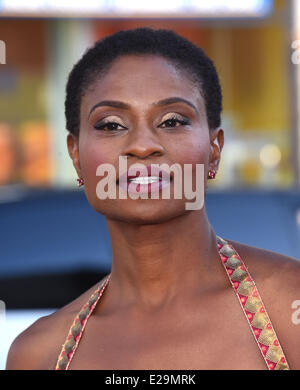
(183, 122)
(102, 125)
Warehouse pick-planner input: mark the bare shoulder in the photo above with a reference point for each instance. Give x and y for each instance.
(270, 267)
(277, 278)
(38, 347)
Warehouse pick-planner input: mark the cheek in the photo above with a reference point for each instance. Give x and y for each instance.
(192, 151)
(91, 155)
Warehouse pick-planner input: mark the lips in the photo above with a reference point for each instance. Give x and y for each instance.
(149, 171)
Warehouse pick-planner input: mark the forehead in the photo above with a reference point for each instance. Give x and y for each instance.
(143, 79)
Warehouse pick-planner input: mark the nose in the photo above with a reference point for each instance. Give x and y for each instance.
(142, 143)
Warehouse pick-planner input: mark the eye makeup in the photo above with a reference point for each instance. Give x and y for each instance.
(110, 123)
(174, 120)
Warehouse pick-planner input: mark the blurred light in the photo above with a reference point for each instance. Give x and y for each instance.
(45, 5)
(295, 7)
(71, 5)
(196, 8)
(233, 6)
(298, 218)
(21, 5)
(296, 14)
(7, 154)
(270, 155)
(153, 6)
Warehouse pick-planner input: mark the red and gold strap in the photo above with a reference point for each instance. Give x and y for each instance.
(76, 330)
(248, 297)
(252, 306)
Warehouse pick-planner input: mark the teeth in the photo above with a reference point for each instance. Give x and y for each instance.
(145, 180)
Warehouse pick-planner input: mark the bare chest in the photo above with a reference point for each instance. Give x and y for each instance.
(211, 339)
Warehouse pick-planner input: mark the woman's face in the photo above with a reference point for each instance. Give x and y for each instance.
(152, 113)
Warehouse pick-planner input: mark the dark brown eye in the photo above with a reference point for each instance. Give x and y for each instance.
(109, 126)
(174, 122)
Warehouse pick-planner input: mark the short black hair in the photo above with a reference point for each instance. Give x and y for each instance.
(165, 43)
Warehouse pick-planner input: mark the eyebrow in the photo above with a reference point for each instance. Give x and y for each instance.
(173, 100)
(124, 106)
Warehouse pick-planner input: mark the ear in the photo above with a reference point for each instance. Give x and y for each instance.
(216, 146)
(73, 149)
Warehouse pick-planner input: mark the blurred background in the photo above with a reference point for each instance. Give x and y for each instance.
(53, 245)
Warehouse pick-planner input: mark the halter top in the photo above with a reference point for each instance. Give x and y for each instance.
(245, 291)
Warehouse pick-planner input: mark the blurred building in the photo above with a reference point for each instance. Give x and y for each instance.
(253, 54)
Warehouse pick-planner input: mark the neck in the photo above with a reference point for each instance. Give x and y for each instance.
(151, 263)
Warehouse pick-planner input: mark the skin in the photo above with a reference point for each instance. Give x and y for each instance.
(169, 304)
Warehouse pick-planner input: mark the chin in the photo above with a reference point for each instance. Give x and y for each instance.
(139, 212)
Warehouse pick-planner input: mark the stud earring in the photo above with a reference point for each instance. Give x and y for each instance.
(80, 182)
(212, 174)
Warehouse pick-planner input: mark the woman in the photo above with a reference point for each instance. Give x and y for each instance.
(178, 296)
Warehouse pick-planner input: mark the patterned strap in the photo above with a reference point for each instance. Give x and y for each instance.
(246, 292)
(252, 306)
(76, 330)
